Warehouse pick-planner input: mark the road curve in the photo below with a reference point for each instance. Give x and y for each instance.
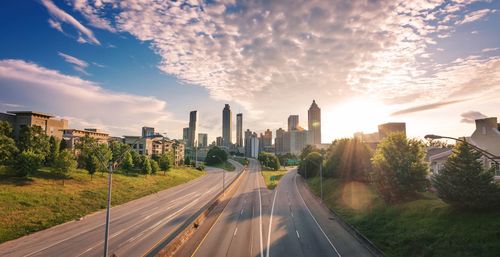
(135, 226)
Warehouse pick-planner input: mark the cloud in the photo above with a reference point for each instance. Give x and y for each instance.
(471, 116)
(78, 65)
(426, 107)
(58, 16)
(84, 102)
(475, 15)
(485, 50)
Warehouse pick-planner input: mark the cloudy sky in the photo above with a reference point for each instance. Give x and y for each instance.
(123, 64)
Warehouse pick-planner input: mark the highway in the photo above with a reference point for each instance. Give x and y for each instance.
(258, 222)
(135, 226)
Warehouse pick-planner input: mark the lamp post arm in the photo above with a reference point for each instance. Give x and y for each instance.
(486, 154)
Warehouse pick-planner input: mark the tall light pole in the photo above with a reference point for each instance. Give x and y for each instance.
(106, 235)
(485, 153)
(223, 175)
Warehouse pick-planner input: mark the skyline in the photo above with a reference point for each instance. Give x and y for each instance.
(434, 65)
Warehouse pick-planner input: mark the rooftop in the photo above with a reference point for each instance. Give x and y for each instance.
(30, 113)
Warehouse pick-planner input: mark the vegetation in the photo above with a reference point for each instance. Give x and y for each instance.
(64, 163)
(464, 183)
(8, 148)
(35, 203)
(286, 159)
(399, 168)
(272, 177)
(242, 160)
(215, 155)
(269, 160)
(165, 162)
(310, 165)
(224, 165)
(28, 162)
(348, 159)
(422, 226)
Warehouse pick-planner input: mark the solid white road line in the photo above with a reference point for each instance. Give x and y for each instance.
(310, 213)
(260, 218)
(235, 231)
(271, 224)
(298, 236)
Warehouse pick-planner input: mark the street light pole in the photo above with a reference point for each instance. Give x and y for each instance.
(321, 179)
(106, 235)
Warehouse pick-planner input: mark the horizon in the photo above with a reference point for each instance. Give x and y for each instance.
(433, 65)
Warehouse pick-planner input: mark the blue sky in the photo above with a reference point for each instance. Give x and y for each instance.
(145, 64)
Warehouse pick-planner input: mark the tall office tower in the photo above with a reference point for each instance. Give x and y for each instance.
(227, 126)
(248, 142)
(202, 140)
(239, 129)
(278, 141)
(219, 141)
(193, 117)
(148, 131)
(314, 123)
(293, 122)
(267, 139)
(185, 134)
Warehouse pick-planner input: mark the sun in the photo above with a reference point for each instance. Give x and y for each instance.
(361, 114)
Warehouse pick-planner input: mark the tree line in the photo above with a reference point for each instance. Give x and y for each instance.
(398, 170)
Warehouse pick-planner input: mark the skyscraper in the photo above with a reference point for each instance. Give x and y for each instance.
(314, 123)
(278, 141)
(239, 129)
(193, 117)
(227, 126)
(267, 139)
(185, 134)
(293, 122)
(202, 140)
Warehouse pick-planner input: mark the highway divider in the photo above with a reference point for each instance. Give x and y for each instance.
(168, 246)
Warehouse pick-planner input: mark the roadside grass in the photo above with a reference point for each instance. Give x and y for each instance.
(41, 201)
(423, 227)
(242, 160)
(268, 174)
(224, 165)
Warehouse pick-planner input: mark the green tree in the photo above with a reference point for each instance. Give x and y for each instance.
(464, 183)
(165, 162)
(8, 150)
(34, 138)
(28, 162)
(93, 156)
(154, 167)
(399, 167)
(216, 155)
(307, 150)
(63, 145)
(6, 129)
(91, 164)
(137, 160)
(118, 150)
(64, 163)
(146, 166)
(54, 151)
(310, 166)
(187, 160)
(269, 160)
(348, 159)
(127, 163)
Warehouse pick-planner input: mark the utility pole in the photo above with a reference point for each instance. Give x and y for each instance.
(106, 235)
(321, 179)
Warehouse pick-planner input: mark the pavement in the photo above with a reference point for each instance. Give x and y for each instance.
(135, 226)
(287, 221)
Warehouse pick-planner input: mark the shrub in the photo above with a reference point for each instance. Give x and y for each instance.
(28, 162)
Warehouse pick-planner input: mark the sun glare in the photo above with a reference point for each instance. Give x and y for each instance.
(354, 115)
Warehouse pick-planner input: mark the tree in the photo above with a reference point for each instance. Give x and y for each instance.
(269, 160)
(8, 147)
(216, 155)
(64, 163)
(34, 138)
(165, 162)
(91, 164)
(348, 159)
(187, 160)
(464, 183)
(307, 150)
(399, 167)
(54, 151)
(63, 145)
(118, 150)
(154, 167)
(310, 165)
(146, 166)
(28, 162)
(93, 156)
(128, 162)
(137, 160)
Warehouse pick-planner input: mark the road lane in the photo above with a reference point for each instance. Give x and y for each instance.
(135, 226)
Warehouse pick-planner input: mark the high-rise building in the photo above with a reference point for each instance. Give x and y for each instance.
(314, 123)
(278, 141)
(239, 130)
(202, 140)
(193, 117)
(248, 135)
(185, 134)
(252, 144)
(219, 141)
(293, 122)
(298, 140)
(227, 126)
(267, 138)
(148, 131)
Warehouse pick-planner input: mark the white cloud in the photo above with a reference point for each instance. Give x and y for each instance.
(85, 102)
(485, 50)
(60, 15)
(78, 65)
(475, 15)
(471, 116)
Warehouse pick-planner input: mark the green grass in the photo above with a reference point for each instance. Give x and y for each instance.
(241, 160)
(41, 201)
(267, 174)
(422, 227)
(224, 165)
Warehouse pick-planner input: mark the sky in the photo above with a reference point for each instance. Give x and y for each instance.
(119, 65)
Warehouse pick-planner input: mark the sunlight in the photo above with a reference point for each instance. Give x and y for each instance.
(354, 115)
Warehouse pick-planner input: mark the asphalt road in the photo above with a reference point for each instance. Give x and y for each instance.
(135, 226)
(258, 222)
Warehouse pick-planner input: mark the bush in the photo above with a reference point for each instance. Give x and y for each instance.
(154, 167)
(399, 168)
(269, 160)
(28, 162)
(216, 155)
(310, 166)
(464, 183)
